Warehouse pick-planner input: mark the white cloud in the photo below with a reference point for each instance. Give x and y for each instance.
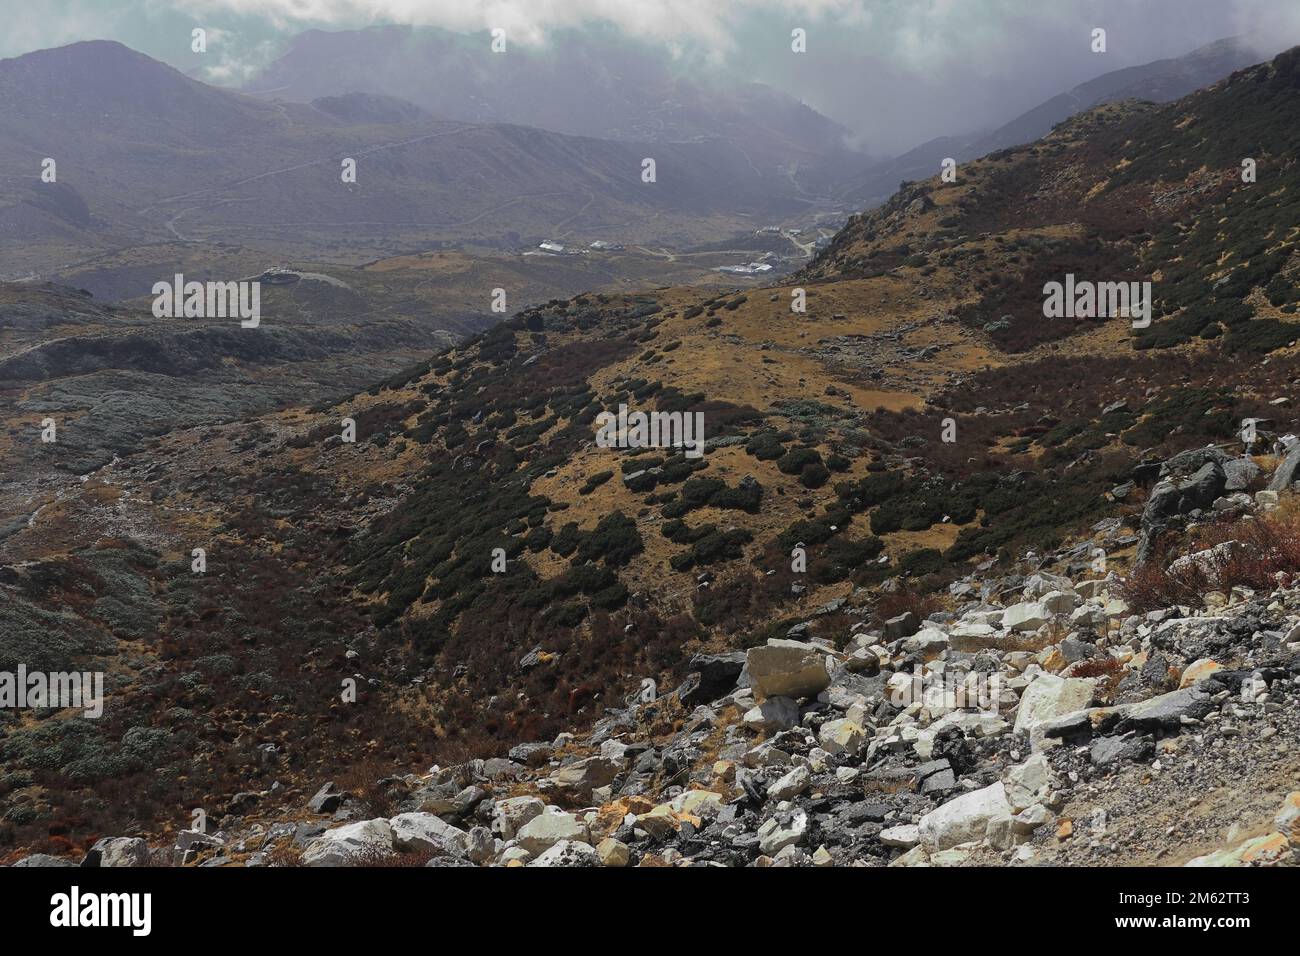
(231, 60)
(922, 28)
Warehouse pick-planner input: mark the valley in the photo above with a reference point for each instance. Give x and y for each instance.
(442, 617)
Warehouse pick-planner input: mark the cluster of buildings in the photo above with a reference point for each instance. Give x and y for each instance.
(553, 248)
(751, 268)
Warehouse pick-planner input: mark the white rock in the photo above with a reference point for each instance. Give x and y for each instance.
(905, 836)
(1060, 602)
(510, 814)
(1028, 783)
(1041, 583)
(1267, 500)
(1026, 616)
(773, 714)
(542, 832)
(841, 736)
(917, 856)
(791, 785)
(904, 688)
(774, 836)
(1031, 818)
(425, 831)
(1115, 608)
(118, 852)
(705, 804)
(966, 818)
(927, 640)
(1050, 696)
(970, 629)
(568, 853)
(1090, 614)
(343, 845)
(513, 853)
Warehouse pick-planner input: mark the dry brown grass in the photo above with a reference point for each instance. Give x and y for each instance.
(284, 853)
(387, 859)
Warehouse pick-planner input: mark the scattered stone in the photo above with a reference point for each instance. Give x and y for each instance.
(327, 799)
(773, 714)
(613, 852)
(568, 853)
(791, 785)
(904, 837)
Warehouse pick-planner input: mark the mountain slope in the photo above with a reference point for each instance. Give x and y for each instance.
(602, 87)
(492, 574)
(1159, 81)
(145, 153)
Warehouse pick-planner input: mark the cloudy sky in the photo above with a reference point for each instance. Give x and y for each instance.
(896, 72)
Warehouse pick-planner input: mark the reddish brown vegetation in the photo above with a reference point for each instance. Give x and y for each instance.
(1265, 554)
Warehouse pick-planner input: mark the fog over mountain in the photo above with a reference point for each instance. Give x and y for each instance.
(896, 73)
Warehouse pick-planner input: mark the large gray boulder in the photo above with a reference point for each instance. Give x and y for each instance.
(785, 828)
(905, 625)
(1188, 462)
(427, 831)
(1174, 496)
(1200, 490)
(44, 859)
(1240, 472)
(1166, 711)
(718, 674)
(510, 814)
(773, 714)
(1026, 616)
(791, 785)
(118, 852)
(582, 776)
(1284, 474)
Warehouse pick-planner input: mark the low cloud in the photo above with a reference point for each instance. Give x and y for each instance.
(896, 72)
